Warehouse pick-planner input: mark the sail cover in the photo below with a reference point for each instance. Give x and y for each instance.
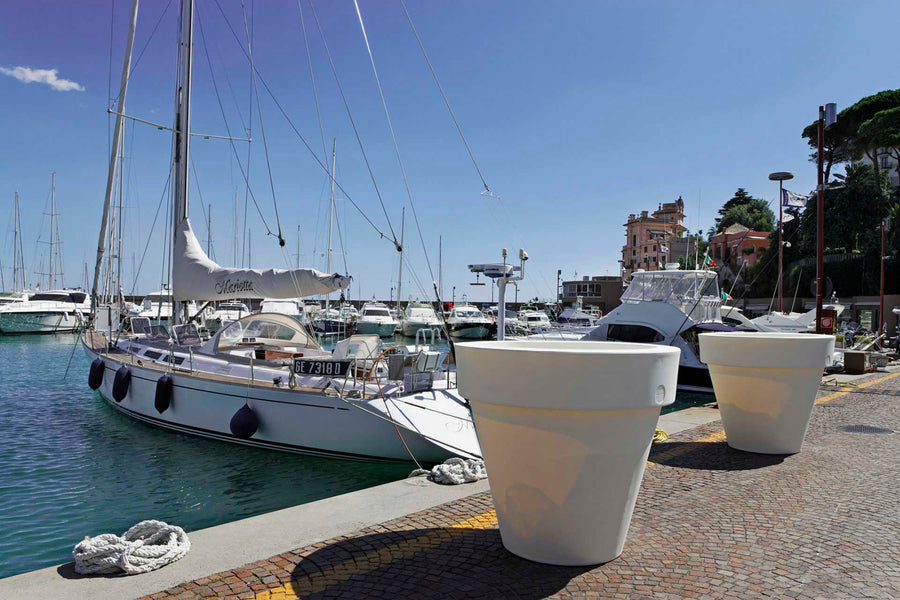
(196, 277)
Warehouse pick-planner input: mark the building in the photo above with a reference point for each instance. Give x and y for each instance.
(649, 238)
(886, 164)
(738, 246)
(602, 292)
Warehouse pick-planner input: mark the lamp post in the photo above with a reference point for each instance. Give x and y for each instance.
(558, 275)
(391, 301)
(454, 296)
(780, 177)
(826, 112)
(885, 224)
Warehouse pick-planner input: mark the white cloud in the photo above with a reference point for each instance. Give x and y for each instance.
(48, 76)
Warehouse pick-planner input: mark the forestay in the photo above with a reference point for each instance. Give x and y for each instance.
(196, 277)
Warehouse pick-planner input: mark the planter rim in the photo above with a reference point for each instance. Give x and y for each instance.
(766, 335)
(571, 347)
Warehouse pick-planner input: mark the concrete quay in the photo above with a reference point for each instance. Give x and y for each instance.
(710, 522)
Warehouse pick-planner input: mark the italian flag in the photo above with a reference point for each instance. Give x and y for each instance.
(708, 262)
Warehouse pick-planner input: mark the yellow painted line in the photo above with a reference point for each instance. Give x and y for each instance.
(860, 386)
(719, 436)
(376, 559)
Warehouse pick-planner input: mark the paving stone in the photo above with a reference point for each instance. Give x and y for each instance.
(710, 523)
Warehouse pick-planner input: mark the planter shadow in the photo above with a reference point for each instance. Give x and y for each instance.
(711, 456)
(442, 563)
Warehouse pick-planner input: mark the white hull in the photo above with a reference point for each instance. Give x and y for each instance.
(410, 328)
(471, 332)
(292, 420)
(38, 322)
(385, 329)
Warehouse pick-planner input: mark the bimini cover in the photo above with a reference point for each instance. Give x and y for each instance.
(196, 277)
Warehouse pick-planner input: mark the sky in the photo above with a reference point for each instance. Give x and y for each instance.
(577, 113)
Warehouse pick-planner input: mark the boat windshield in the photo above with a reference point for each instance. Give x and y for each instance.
(470, 313)
(376, 312)
(689, 291)
(267, 329)
(50, 297)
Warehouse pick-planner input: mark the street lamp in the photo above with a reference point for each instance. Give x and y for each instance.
(454, 296)
(780, 177)
(558, 275)
(391, 301)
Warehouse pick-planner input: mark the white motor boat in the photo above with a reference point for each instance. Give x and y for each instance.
(467, 322)
(418, 316)
(158, 307)
(535, 321)
(376, 319)
(285, 306)
(669, 307)
(56, 311)
(8, 298)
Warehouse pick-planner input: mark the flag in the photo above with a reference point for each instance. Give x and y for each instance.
(789, 198)
(726, 296)
(663, 249)
(708, 262)
(787, 218)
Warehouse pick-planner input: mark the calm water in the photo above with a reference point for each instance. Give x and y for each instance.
(72, 466)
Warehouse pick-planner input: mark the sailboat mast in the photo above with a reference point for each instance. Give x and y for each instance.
(209, 231)
(117, 137)
(400, 273)
(51, 281)
(440, 267)
(298, 246)
(18, 259)
(183, 133)
(330, 217)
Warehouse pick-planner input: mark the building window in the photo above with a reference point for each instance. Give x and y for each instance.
(885, 162)
(634, 239)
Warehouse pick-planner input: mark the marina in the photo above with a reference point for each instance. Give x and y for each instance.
(257, 384)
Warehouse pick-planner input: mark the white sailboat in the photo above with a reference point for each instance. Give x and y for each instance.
(263, 380)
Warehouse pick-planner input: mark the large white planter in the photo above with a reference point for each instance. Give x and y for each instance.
(765, 384)
(565, 429)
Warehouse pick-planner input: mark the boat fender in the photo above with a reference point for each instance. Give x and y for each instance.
(244, 423)
(121, 383)
(95, 379)
(163, 394)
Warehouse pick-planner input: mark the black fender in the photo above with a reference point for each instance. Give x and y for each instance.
(121, 383)
(244, 423)
(163, 400)
(95, 378)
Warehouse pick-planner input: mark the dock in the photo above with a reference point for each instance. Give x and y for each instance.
(710, 523)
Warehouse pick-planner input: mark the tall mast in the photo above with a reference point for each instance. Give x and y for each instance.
(298, 246)
(440, 267)
(209, 230)
(235, 251)
(18, 254)
(400, 273)
(330, 217)
(183, 133)
(117, 137)
(51, 280)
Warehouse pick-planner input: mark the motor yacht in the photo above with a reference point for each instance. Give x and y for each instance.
(55, 311)
(467, 322)
(418, 316)
(376, 319)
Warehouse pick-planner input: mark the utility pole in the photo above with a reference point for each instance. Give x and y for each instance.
(820, 211)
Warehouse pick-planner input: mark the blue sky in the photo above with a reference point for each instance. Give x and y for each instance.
(578, 113)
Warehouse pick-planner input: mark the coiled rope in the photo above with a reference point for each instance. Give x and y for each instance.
(145, 547)
(455, 471)
(659, 435)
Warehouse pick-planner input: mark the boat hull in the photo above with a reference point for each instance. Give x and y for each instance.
(385, 329)
(468, 331)
(411, 328)
(289, 420)
(38, 322)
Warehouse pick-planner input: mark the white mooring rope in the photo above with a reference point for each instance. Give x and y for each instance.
(455, 471)
(145, 547)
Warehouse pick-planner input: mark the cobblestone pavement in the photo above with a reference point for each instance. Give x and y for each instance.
(710, 522)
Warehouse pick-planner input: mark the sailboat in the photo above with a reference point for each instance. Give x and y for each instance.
(52, 311)
(263, 380)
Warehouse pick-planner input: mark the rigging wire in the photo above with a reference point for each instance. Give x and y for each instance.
(296, 131)
(240, 165)
(144, 49)
(393, 135)
(254, 89)
(312, 79)
(487, 190)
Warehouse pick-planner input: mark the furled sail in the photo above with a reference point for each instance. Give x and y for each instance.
(196, 277)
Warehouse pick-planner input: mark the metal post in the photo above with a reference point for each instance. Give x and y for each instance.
(881, 290)
(780, 244)
(501, 309)
(820, 223)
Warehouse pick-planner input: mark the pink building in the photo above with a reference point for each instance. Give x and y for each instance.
(738, 245)
(649, 238)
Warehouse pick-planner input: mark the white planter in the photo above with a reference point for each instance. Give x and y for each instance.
(565, 429)
(765, 384)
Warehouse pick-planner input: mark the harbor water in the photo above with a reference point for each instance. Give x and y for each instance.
(71, 466)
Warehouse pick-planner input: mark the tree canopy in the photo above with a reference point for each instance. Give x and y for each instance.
(748, 211)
